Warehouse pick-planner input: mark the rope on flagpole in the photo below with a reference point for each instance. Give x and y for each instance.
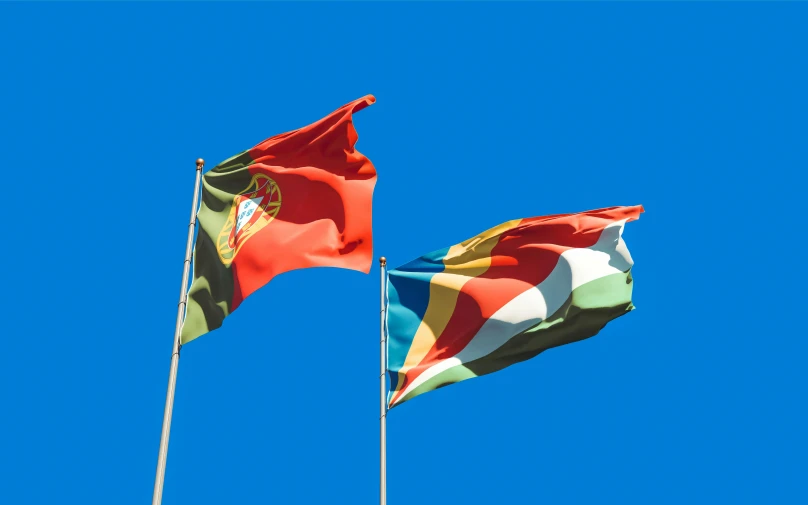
(175, 353)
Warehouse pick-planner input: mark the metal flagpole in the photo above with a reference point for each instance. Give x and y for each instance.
(383, 393)
(175, 354)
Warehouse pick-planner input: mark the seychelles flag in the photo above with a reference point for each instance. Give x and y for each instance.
(504, 296)
(297, 200)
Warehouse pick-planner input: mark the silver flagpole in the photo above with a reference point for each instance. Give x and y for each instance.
(175, 354)
(383, 394)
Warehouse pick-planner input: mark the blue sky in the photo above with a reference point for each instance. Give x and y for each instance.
(486, 112)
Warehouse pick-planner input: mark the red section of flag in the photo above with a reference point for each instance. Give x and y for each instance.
(326, 189)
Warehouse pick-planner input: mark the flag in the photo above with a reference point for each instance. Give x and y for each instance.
(504, 296)
(297, 200)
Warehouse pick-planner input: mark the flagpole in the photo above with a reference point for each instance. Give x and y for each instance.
(175, 354)
(383, 393)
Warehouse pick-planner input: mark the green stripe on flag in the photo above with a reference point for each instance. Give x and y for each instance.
(210, 299)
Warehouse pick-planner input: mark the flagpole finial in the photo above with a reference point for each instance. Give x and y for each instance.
(382, 261)
(200, 163)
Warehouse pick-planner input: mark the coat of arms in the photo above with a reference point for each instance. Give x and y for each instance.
(253, 208)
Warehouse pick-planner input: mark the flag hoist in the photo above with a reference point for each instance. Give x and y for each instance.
(383, 387)
(175, 353)
(300, 199)
(504, 297)
(501, 298)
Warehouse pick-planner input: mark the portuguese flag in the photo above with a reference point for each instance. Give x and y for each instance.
(505, 296)
(297, 200)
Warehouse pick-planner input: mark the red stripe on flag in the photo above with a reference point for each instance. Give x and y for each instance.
(326, 190)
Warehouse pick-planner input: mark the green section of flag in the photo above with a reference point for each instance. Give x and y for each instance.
(210, 298)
